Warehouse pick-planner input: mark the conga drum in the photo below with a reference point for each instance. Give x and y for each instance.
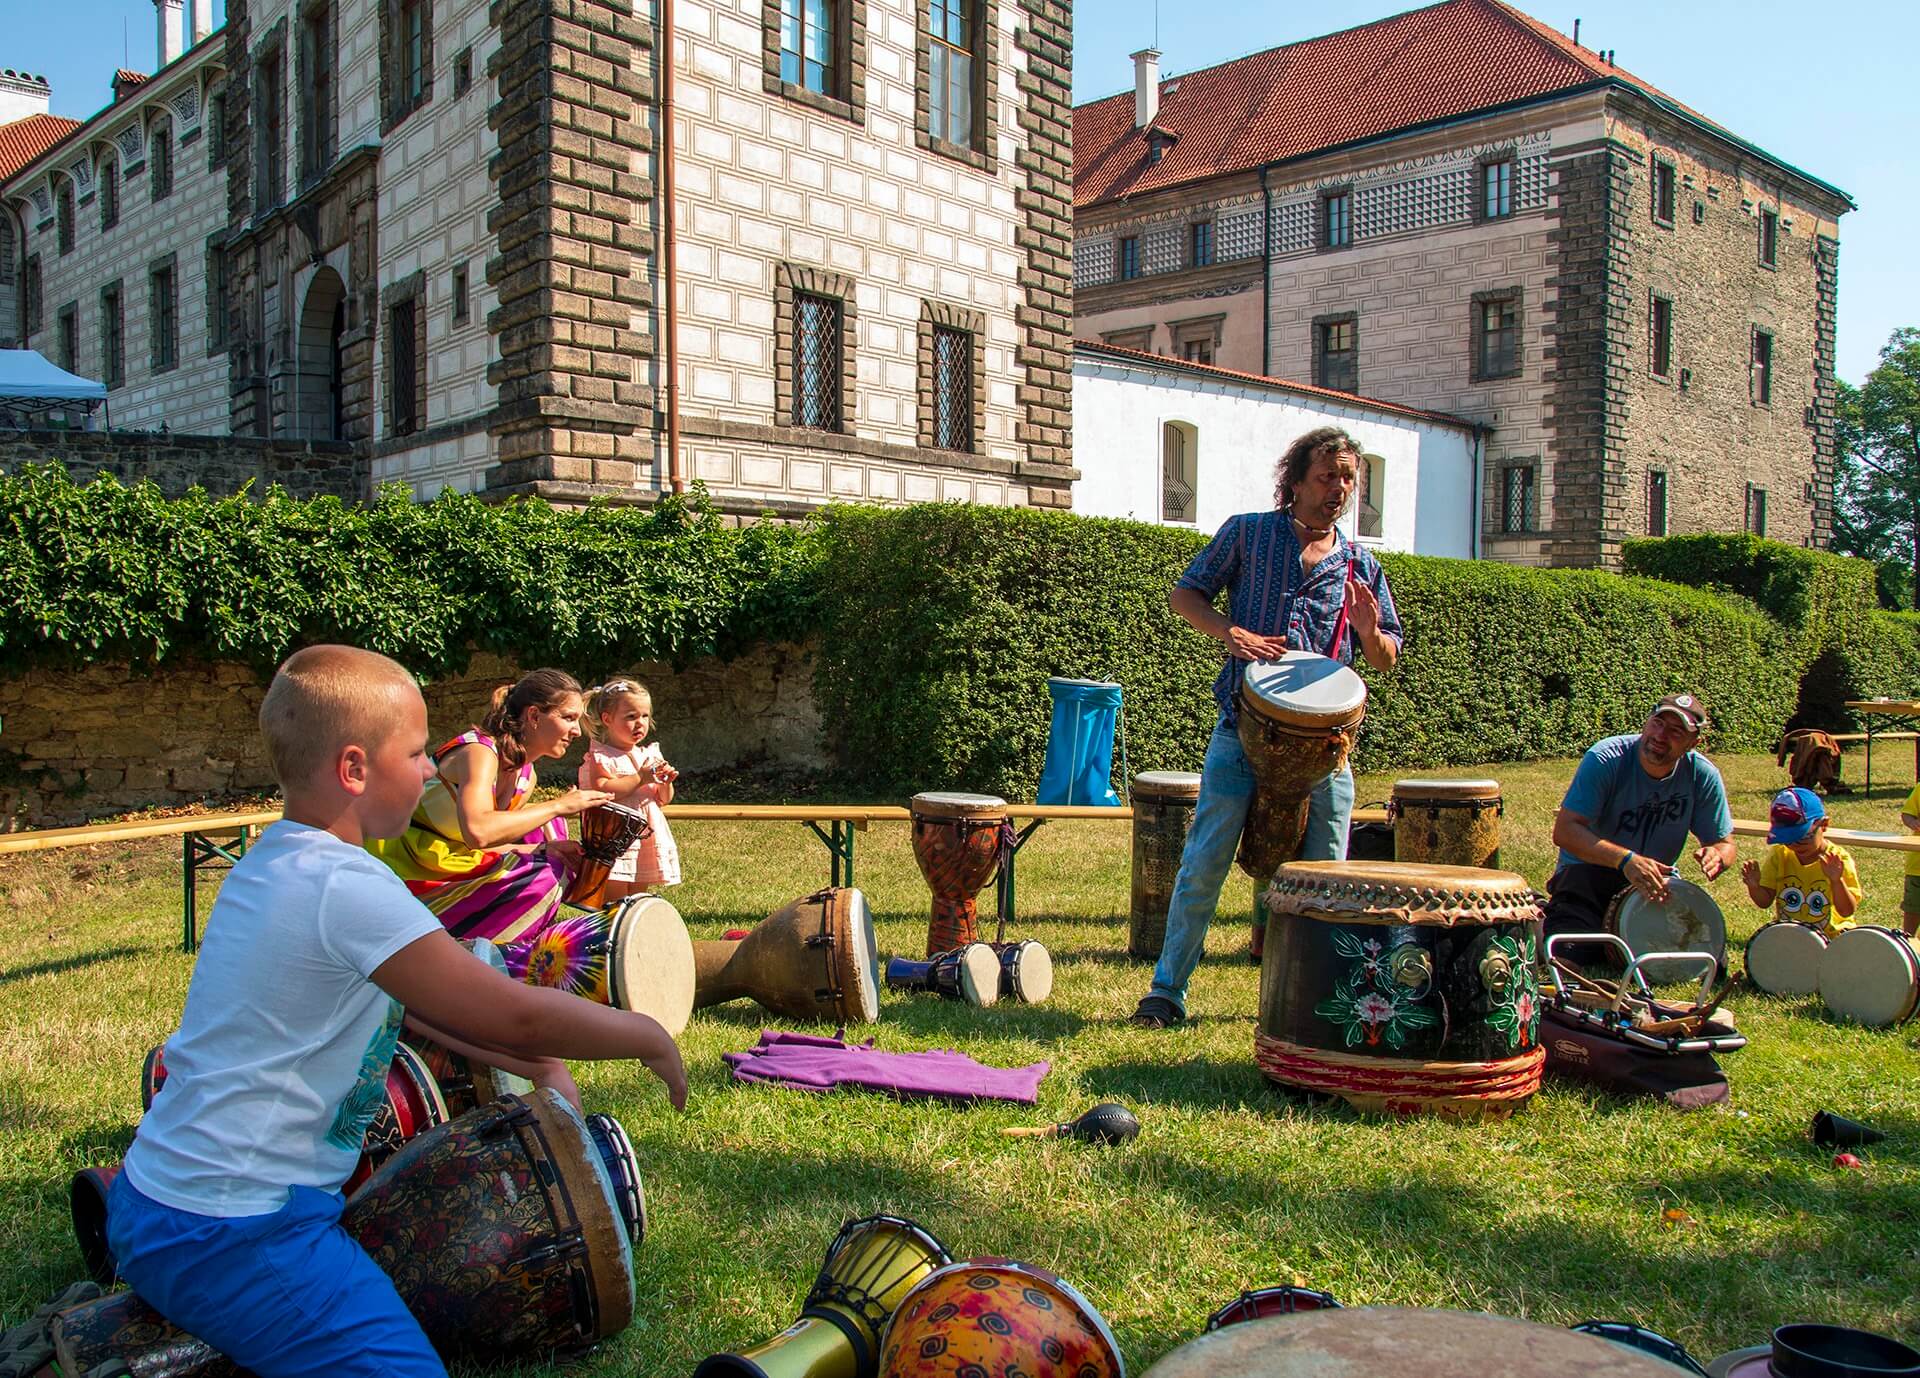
(970, 973)
(1870, 975)
(1298, 717)
(1402, 988)
(606, 831)
(1783, 957)
(1446, 822)
(997, 1317)
(1163, 804)
(815, 958)
(505, 1232)
(634, 956)
(957, 839)
(1687, 920)
(1396, 1340)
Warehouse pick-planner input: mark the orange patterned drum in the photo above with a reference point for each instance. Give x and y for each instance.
(1447, 822)
(994, 1318)
(957, 839)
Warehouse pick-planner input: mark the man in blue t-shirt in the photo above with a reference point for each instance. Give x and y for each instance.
(1626, 816)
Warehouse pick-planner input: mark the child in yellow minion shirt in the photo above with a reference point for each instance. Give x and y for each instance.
(1910, 900)
(1804, 878)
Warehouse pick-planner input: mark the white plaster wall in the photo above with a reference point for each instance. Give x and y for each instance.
(1119, 410)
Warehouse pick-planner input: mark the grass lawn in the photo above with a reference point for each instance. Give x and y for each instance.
(1561, 1214)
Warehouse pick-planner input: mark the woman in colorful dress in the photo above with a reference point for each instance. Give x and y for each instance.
(484, 860)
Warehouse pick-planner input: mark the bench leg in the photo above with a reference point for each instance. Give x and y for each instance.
(189, 868)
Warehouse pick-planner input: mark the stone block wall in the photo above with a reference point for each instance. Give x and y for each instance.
(221, 464)
(82, 744)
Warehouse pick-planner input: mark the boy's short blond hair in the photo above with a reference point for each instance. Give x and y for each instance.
(324, 699)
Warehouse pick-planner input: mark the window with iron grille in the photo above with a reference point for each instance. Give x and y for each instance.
(113, 337)
(269, 119)
(1201, 244)
(216, 297)
(30, 298)
(1760, 375)
(1660, 326)
(1756, 511)
(163, 318)
(63, 218)
(1496, 189)
(1516, 499)
(403, 353)
(70, 336)
(109, 194)
(1770, 238)
(413, 40)
(816, 362)
(1129, 257)
(406, 58)
(950, 59)
(1336, 354)
(160, 163)
(1664, 184)
(1656, 502)
(316, 91)
(952, 388)
(807, 45)
(1336, 219)
(1179, 464)
(1498, 335)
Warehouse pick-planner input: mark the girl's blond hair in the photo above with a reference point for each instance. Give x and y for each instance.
(603, 697)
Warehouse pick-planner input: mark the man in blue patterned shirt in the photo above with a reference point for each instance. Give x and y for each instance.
(1289, 574)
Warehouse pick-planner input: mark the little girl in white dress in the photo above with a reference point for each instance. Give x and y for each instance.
(619, 718)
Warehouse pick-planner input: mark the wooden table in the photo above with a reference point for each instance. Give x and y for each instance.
(1900, 713)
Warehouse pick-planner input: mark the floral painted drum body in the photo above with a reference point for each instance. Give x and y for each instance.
(1402, 987)
(996, 1318)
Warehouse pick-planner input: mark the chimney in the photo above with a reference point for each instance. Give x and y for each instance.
(202, 20)
(1146, 87)
(170, 21)
(23, 94)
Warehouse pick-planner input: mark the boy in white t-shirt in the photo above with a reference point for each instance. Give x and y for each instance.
(226, 1216)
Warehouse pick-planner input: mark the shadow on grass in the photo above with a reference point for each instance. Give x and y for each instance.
(76, 962)
(1193, 1084)
(927, 1017)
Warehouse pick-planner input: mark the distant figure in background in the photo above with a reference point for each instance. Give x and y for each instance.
(1910, 900)
(1815, 760)
(620, 717)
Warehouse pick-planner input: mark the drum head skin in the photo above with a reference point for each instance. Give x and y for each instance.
(1400, 892)
(1869, 974)
(650, 967)
(1688, 921)
(1784, 957)
(1167, 784)
(1444, 791)
(860, 972)
(979, 974)
(941, 805)
(1381, 1340)
(1029, 971)
(1305, 688)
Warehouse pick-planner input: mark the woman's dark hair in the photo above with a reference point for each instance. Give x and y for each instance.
(535, 689)
(1292, 468)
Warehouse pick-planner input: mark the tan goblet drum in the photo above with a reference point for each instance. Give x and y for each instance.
(957, 840)
(1447, 822)
(815, 958)
(1163, 804)
(1298, 716)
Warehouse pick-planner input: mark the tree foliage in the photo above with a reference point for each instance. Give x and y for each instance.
(1877, 478)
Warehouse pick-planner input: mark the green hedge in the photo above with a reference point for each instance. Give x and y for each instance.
(108, 571)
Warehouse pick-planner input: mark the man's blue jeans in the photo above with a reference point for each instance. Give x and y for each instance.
(1226, 793)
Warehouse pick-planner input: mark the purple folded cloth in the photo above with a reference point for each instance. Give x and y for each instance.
(812, 1063)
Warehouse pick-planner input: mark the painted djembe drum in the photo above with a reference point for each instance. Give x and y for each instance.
(507, 1232)
(606, 831)
(815, 958)
(1402, 988)
(959, 840)
(1163, 804)
(997, 1317)
(970, 973)
(1298, 716)
(1446, 822)
(633, 956)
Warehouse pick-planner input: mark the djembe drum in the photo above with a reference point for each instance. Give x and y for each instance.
(959, 840)
(970, 973)
(1446, 822)
(1402, 988)
(997, 1317)
(1298, 716)
(509, 1231)
(1163, 804)
(815, 958)
(634, 956)
(606, 832)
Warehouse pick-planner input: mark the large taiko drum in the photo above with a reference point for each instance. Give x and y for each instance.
(1446, 822)
(958, 841)
(1000, 1318)
(1402, 988)
(1298, 716)
(815, 958)
(509, 1231)
(1163, 804)
(633, 956)
(606, 832)
(1392, 1340)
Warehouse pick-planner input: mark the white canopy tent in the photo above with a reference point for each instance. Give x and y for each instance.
(31, 386)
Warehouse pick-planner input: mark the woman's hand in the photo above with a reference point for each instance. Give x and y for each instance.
(567, 852)
(576, 801)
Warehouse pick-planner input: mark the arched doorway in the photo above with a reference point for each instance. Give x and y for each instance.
(323, 321)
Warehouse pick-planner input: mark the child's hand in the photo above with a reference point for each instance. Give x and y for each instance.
(1750, 874)
(552, 1073)
(668, 1068)
(1833, 864)
(664, 774)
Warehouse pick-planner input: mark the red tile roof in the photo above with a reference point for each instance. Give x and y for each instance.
(1428, 64)
(123, 77)
(21, 141)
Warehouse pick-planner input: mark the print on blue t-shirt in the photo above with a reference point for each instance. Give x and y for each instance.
(1627, 806)
(363, 1101)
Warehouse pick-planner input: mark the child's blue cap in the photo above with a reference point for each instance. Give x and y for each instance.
(1793, 815)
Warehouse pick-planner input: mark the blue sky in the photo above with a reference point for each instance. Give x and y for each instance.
(1825, 87)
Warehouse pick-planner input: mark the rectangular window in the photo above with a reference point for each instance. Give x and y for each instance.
(216, 130)
(63, 218)
(216, 299)
(1516, 499)
(462, 71)
(1496, 190)
(816, 362)
(1661, 329)
(113, 338)
(1770, 238)
(317, 123)
(270, 166)
(109, 195)
(413, 40)
(1197, 351)
(160, 163)
(1336, 354)
(30, 299)
(1498, 332)
(1336, 219)
(1760, 375)
(1756, 510)
(952, 388)
(950, 69)
(404, 361)
(1663, 192)
(1656, 502)
(163, 319)
(70, 337)
(462, 308)
(1179, 442)
(1200, 244)
(807, 45)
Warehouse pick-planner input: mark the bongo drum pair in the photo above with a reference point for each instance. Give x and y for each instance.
(507, 1232)
(959, 841)
(1163, 805)
(815, 958)
(606, 832)
(979, 973)
(634, 956)
(1868, 973)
